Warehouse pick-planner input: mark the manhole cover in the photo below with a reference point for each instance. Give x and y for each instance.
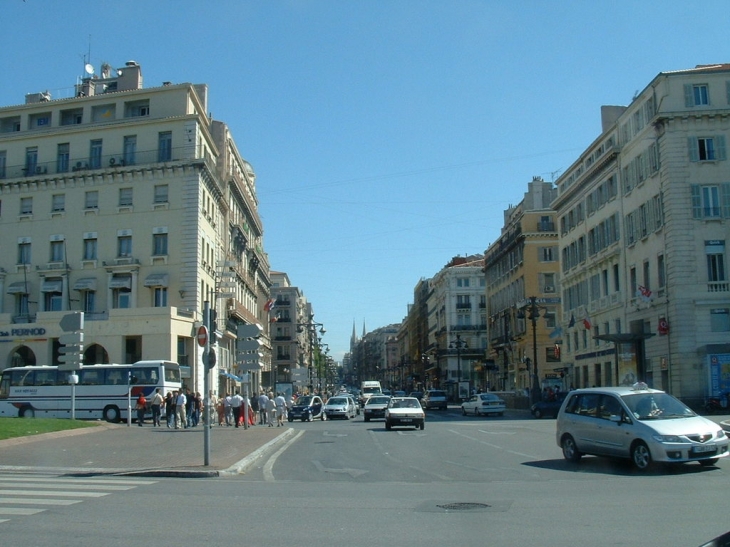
(463, 506)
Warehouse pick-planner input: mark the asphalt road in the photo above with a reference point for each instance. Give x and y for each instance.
(461, 481)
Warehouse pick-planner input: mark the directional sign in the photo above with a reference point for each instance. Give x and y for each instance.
(71, 338)
(202, 336)
(72, 321)
(71, 344)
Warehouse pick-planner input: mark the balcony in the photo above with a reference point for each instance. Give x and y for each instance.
(718, 286)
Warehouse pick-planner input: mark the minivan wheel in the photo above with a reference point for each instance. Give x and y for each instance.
(570, 450)
(640, 456)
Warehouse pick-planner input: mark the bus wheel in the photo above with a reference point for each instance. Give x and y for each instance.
(112, 414)
(26, 412)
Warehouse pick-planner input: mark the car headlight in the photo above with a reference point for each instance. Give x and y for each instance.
(669, 439)
(721, 434)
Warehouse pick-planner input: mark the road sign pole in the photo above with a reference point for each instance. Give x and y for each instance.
(206, 387)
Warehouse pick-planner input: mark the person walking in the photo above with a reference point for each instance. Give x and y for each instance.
(236, 405)
(271, 409)
(170, 408)
(156, 405)
(181, 419)
(141, 409)
(227, 409)
(189, 404)
(280, 409)
(263, 400)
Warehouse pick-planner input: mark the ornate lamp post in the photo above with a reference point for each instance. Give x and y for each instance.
(310, 328)
(533, 313)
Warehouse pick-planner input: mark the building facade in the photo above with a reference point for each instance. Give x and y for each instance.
(644, 221)
(133, 206)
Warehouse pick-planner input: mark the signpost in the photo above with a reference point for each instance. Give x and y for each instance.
(71, 350)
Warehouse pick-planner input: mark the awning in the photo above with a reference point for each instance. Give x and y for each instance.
(229, 375)
(156, 280)
(624, 337)
(19, 287)
(121, 282)
(85, 284)
(52, 285)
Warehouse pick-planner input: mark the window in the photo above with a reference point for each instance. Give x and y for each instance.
(463, 301)
(26, 206)
(632, 280)
(90, 246)
(88, 300)
(130, 149)
(124, 246)
(661, 272)
(58, 203)
(462, 281)
(3, 161)
(159, 244)
(62, 158)
(57, 251)
(31, 160)
(711, 201)
(160, 297)
(125, 197)
(95, 154)
(24, 252)
(707, 148)
(720, 320)
(548, 282)
(164, 146)
(546, 254)
(161, 191)
(91, 199)
(696, 95)
(715, 251)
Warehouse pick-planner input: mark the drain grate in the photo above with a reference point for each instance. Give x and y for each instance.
(463, 506)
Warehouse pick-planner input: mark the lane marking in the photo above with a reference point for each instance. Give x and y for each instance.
(269, 465)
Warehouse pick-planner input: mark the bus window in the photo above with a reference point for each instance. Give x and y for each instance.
(172, 374)
(22, 377)
(45, 377)
(115, 377)
(5, 386)
(90, 377)
(144, 375)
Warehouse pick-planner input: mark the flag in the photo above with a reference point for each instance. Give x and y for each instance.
(270, 304)
(274, 319)
(572, 321)
(643, 293)
(587, 322)
(557, 331)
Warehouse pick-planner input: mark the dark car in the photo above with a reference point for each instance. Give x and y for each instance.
(548, 407)
(306, 409)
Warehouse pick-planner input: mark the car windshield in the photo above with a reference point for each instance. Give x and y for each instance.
(337, 401)
(304, 401)
(405, 403)
(656, 406)
(489, 397)
(436, 394)
(371, 390)
(378, 400)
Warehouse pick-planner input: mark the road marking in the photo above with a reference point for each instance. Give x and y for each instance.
(90, 486)
(19, 511)
(269, 465)
(43, 501)
(498, 447)
(328, 434)
(71, 494)
(354, 473)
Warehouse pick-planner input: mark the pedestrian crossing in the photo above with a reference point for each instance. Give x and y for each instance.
(25, 495)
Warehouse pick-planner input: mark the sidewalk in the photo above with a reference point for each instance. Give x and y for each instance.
(150, 451)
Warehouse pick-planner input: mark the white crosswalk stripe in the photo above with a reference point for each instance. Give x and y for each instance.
(29, 495)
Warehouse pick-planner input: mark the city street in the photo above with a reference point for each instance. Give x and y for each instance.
(461, 481)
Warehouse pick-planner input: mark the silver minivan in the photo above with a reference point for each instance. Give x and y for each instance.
(642, 424)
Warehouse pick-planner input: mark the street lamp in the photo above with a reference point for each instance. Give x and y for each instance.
(533, 311)
(458, 344)
(310, 328)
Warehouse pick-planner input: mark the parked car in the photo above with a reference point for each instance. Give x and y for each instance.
(340, 406)
(417, 394)
(399, 394)
(482, 404)
(404, 411)
(548, 407)
(306, 409)
(642, 424)
(434, 398)
(375, 407)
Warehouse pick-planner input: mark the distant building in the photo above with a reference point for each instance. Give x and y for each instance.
(288, 342)
(135, 207)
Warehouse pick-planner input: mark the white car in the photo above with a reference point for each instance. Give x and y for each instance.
(641, 424)
(405, 411)
(482, 404)
(340, 406)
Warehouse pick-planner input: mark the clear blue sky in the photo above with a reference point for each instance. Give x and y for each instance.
(387, 136)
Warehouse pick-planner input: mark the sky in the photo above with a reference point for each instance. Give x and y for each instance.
(387, 136)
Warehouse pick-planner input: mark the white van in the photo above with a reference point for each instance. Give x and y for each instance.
(368, 389)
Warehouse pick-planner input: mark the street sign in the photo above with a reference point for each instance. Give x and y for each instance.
(72, 321)
(202, 336)
(71, 348)
(71, 339)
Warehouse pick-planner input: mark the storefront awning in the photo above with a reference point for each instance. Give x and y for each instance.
(229, 375)
(85, 284)
(120, 282)
(156, 280)
(624, 337)
(19, 287)
(52, 285)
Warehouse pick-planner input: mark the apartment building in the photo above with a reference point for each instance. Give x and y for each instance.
(522, 283)
(131, 205)
(644, 221)
(289, 341)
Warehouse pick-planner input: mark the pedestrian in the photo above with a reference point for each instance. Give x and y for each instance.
(263, 400)
(189, 404)
(181, 419)
(197, 408)
(271, 409)
(212, 407)
(236, 405)
(227, 409)
(221, 410)
(170, 408)
(280, 409)
(141, 408)
(156, 405)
